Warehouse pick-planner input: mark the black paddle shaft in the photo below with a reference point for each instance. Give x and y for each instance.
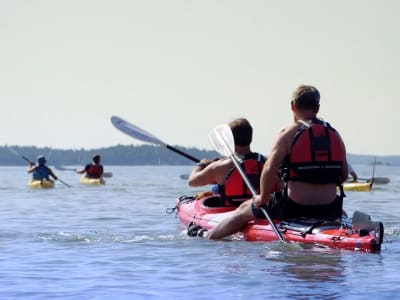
(183, 153)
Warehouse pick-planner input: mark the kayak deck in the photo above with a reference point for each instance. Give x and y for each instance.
(40, 184)
(91, 181)
(345, 233)
(357, 186)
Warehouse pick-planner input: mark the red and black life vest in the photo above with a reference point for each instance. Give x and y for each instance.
(234, 191)
(317, 154)
(94, 171)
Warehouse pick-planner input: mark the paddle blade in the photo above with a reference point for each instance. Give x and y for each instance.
(61, 168)
(107, 174)
(13, 151)
(381, 180)
(135, 132)
(221, 138)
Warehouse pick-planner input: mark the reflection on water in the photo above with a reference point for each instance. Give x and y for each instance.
(318, 265)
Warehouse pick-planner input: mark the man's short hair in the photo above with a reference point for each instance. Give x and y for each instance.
(306, 97)
(242, 131)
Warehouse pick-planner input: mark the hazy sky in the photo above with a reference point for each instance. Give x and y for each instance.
(179, 68)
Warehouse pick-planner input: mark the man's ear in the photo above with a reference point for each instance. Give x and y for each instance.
(293, 107)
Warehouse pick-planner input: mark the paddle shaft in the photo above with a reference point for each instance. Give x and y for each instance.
(373, 172)
(105, 174)
(25, 158)
(222, 139)
(254, 193)
(182, 153)
(63, 182)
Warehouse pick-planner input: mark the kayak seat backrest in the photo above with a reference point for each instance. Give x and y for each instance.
(360, 220)
(214, 201)
(362, 223)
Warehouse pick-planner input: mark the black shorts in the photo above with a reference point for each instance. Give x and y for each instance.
(280, 207)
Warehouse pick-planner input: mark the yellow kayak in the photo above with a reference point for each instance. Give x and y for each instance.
(357, 186)
(41, 184)
(91, 181)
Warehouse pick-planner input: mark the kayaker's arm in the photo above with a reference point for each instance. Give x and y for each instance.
(31, 167)
(209, 172)
(279, 150)
(51, 173)
(82, 171)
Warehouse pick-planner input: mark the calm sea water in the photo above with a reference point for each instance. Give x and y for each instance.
(117, 241)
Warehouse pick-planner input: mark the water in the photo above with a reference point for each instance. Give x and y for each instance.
(117, 241)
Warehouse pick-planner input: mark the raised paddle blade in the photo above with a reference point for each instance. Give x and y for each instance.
(13, 151)
(142, 135)
(135, 132)
(61, 168)
(221, 138)
(107, 174)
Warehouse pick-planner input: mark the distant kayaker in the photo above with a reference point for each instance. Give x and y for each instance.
(94, 169)
(314, 157)
(222, 172)
(40, 171)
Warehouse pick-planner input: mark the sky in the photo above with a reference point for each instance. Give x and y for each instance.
(178, 68)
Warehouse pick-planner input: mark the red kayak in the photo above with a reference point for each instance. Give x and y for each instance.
(358, 233)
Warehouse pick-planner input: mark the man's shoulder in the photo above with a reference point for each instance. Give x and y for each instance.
(289, 129)
(223, 162)
(221, 166)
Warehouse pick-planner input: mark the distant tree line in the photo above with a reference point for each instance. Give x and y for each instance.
(130, 155)
(133, 155)
(374, 159)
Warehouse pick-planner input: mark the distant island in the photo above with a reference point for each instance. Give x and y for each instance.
(135, 155)
(131, 155)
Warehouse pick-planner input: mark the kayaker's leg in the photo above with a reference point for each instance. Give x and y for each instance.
(232, 224)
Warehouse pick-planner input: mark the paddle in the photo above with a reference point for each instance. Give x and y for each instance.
(184, 176)
(377, 180)
(221, 138)
(373, 172)
(60, 168)
(29, 161)
(142, 135)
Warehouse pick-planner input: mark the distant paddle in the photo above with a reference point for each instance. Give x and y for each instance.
(61, 168)
(29, 161)
(221, 138)
(184, 176)
(377, 180)
(142, 135)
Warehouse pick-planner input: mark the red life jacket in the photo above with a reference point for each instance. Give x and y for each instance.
(235, 191)
(94, 171)
(317, 154)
